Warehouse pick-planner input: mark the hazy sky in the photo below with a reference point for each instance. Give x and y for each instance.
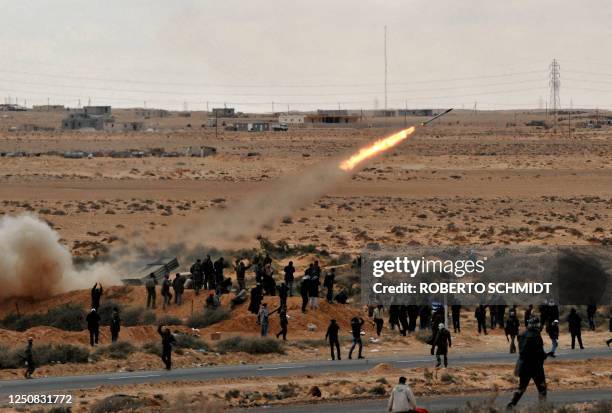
(305, 54)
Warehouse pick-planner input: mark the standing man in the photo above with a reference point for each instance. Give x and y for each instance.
(512, 329)
(96, 293)
(93, 325)
(256, 297)
(356, 324)
(197, 276)
(530, 364)
(263, 319)
(241, 274)
(328, 282)
(528, 312)
(283, 293)
(481, 319)
(442, 341)
(377, 315)
(591, 311)
(165, 291)
(167, 341)
(313, 286)
(218, 269)
(575, 328)
(179, 287)
(28, 358)
(289, 277)
(150, 284)
(305, 288)
(553, 333)
(209, 273)
(332, 336)
(456, 316)
(115, 325)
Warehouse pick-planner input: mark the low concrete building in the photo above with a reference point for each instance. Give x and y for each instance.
(103, 111)
(49, 108)
(94, 117)
(385, 113)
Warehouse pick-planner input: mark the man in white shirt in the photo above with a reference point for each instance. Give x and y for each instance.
(401, 400)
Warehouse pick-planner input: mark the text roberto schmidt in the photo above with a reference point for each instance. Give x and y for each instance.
(463, 288)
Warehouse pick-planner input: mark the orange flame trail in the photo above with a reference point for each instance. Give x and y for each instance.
(377, 147)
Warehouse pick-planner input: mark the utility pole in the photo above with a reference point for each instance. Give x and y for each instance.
(555, 86)
(405, 112)
(272, 107)
(385, 68)
(569, 123)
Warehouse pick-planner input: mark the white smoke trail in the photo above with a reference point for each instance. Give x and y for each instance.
(34, 264)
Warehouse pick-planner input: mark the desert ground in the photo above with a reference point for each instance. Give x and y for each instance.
(483, 178)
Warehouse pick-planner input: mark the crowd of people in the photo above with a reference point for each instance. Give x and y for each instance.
(209, 275)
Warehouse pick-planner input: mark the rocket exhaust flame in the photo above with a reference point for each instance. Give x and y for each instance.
(377, 147)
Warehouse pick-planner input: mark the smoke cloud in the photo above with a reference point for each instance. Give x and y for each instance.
(34, 264)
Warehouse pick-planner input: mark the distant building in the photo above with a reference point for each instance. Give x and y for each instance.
(10, 107)
(48, 108)
(151, 113)
(290, 119)
(415, 112)
(97, 110)
(331, 116)
(90, 117)
(223, 113)
(124, 126)
(385, 113)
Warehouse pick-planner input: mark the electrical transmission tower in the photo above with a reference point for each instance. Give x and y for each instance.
(555, 85)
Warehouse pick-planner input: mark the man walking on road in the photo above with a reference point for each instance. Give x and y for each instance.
(530, 364)
(167, 341)
(575, 328)
(356, 324)
(442, 341)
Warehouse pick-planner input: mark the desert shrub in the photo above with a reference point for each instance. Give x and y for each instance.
(189, 341)
(287, 390)
(56, 409)
(135, 316)
(232, 394)
(68, 317)
(378, 390)
(382, 380)
(60, 353)
(169, 320)
(209, 317)
(117, 350)
(152, 347)
(251, 345)
(9, 359)
(447, 378)
(116, 403)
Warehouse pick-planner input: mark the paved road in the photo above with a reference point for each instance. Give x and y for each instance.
(67, 383)
(441, 403)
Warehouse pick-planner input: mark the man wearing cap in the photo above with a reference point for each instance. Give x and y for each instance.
(29, 359)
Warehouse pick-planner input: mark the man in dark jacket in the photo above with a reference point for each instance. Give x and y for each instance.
(283, 293)
(93, 325)
(241, 274)
(332, 336)
(197, 276)
(328, 282)
(403, 319)
(512, 329)
(283, 322)
(208, 270)
(530, 364)
(178, 284)
(413, 313)
(356, 325)
(167, 341)
(528, 312)
(218, 269)
(480, 316)
(96, 293)
(591, 311)
(289, 277)
(424, 316)
(442, 341)
(115, 325)
(313, 288)
(305, 288)
(256, 297)
(553, 333)
(575, 328)
(456, 316)
(150, 284)
(28, 359)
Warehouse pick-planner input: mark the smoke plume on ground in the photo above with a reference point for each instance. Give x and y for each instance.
(34, 264)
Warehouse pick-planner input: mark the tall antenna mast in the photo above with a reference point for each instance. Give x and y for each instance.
(385, 69)
(555, 85)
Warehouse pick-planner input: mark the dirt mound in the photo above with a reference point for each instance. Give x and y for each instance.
(384, 368)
